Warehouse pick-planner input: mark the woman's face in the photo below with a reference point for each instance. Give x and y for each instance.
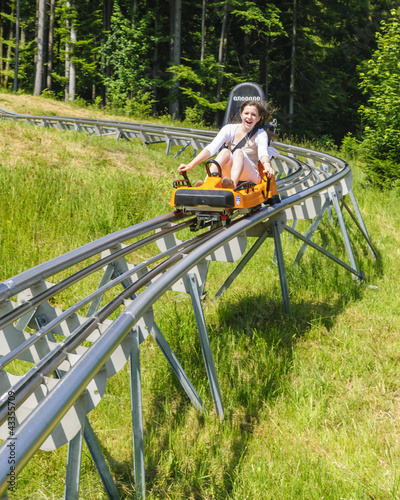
(250, 116)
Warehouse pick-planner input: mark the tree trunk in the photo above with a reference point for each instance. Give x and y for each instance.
(156, 62)
(133, 16)
(246, 43)
(40, 48)
(107, 13)
(176, 57)
(67, 53)
(203, 31)
(171, 28)
(8, 56)
(15, 85)
(72, 68)
(22, 42)
(1, 43)
(49, 80)
(222, 46)
(222, 49)
(8, 59)
(292, 68)
(264, 67)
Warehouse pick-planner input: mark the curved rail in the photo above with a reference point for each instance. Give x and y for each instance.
(147, 133)
(308, 183)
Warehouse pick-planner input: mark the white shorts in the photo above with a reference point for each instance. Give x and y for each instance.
(249, 172)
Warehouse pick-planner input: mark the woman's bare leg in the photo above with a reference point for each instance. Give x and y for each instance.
(237, 166)
(224, 158)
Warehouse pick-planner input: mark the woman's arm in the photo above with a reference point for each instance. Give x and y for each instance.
(262, 144)
(202, 156)
(223, 135)
(226, 134)
(267, 168)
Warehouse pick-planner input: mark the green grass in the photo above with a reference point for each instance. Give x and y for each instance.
(312, 402)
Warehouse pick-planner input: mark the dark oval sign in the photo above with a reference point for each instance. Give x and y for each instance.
(247, 91)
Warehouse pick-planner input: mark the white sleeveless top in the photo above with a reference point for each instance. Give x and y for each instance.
(255, 149)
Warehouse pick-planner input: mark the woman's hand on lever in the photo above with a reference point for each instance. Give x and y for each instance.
(269, 171)
(202, 156)
(183, 167)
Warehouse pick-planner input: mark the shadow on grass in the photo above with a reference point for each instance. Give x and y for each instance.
(332, 240)
(260, 322)
(266, 314)
(252, 343)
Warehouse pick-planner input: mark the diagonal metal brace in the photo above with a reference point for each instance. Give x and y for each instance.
(137, 416)
(325, 252)
(205, 345)
(361, 227)
(239, 268)
(343, 228)
(311, 230)
(177, 368)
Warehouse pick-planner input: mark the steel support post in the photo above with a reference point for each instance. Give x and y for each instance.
(182, 149)
(24, 320)
(360, 222)
(137, 417)
(99, 461)
(177, 368)
(121, 135)
(311, 230)
(89, 436)
(239, 268)
(330, 215)
(205, 345)
(294, 225)
(104, 280)
(74, 460)
(281, 268)
(344, 231)
(358, 212)
(74, 456)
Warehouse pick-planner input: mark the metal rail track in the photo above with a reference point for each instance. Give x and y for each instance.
(147, 133)
(72, 352)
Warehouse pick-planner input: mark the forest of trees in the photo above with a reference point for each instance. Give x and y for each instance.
(184, 57)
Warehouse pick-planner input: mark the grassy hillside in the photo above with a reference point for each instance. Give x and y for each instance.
(312, 402)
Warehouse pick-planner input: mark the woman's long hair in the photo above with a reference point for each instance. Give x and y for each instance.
(265, 115)
(262, 109)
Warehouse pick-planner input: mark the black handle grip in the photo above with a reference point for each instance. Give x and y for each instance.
(215, 163)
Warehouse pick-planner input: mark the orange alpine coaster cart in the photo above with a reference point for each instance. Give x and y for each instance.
(212, 202)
